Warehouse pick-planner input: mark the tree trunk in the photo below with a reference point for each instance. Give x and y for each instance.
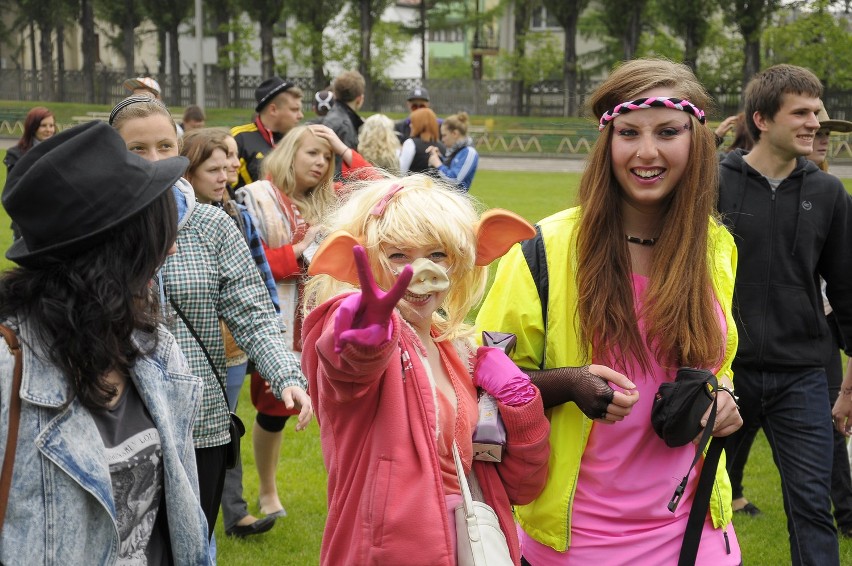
(33, 61)
(690, 50)
(128, 37)
(87, 25)
(46, 52)
(60, 62)
(174, 64)
(751, 62)
(267, 57)
(161, 47)
(318, 61)
(365, 61)
(569, 68)
(237, 100)
(631, 38)
(223, 55)
(423, 38)
(522, 18)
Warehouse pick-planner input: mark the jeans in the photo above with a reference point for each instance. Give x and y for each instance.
(841, 479)
(794, 410)
(234, 506)
(737, 454)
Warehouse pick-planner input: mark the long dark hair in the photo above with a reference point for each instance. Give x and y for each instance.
(85, 308)
(31, 125)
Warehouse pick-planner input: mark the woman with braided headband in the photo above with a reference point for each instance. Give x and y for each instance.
(607, 301)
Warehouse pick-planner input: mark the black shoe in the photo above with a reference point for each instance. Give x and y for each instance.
(749, 509)
(845, 532)
(256, 528)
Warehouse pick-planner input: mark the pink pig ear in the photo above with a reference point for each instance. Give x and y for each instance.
(334, 257)
(497, 231)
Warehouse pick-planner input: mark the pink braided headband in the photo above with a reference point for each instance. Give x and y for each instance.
(652, 102)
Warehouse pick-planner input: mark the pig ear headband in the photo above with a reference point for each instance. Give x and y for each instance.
(496, 232)
(651, 102)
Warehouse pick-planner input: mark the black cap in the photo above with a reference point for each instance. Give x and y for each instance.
(268, 89)
(72, 188)
(418, 93)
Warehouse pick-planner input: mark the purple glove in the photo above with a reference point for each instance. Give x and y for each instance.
(363, 319)
(500, 377)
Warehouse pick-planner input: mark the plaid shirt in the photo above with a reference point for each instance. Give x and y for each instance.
(213, 275)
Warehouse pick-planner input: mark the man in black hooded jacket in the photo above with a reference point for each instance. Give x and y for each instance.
(792, 223)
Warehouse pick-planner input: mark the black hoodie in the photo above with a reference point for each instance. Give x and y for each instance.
(786, 239)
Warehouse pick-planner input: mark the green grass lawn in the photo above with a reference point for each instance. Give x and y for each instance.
(295, 540)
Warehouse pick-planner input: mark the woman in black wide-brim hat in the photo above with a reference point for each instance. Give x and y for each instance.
(103, 469)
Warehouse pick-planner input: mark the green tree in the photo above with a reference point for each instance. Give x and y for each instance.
(620, 36)
(267, 13)
(126, 15)
(88, 48)
(689, 20)
(750, 17)
(817, 40)
(167, 15)
(387, 46)
(314, 18)
(369, 15)
(220, 14)
(47, 15)
(567, 13)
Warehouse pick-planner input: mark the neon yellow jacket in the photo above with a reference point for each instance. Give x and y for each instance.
(513, 305)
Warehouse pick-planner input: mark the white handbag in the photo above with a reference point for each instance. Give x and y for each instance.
(480, 540)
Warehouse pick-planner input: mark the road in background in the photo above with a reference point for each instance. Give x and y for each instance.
(575, 165)
(536, 164)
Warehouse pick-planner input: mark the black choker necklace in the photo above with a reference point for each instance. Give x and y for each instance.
(641, 241)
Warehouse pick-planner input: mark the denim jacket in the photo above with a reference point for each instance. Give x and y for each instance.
(60, 508)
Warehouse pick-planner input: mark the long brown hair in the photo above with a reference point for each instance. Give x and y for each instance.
(679, 308)
(424, 125)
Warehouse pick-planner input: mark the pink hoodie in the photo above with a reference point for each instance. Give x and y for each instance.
(386, 502)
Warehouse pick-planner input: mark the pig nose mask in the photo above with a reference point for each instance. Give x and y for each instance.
(428, 277)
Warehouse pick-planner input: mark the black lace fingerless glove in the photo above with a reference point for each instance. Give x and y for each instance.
(591, 393)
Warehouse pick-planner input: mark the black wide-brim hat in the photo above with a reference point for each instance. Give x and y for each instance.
(68, 191)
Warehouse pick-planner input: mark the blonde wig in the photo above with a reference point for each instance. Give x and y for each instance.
(679, 305)
(378, 144)
(426, 212)
(278, 168)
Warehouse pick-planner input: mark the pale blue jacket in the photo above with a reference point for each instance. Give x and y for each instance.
(60, 509)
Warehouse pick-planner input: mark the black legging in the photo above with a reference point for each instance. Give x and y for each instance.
(210, 463)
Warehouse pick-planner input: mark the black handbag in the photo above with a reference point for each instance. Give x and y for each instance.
(236, 428)
(680, 404)
(676, 418)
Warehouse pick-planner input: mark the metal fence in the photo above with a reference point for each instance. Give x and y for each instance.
(483, 97)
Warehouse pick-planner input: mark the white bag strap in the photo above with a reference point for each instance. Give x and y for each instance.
(465, 489)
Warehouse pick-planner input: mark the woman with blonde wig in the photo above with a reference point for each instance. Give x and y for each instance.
(641, 277)
(394, 373)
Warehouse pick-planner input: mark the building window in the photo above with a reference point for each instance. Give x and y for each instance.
(542, 20)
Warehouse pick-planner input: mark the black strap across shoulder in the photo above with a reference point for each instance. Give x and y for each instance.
(534, 254)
